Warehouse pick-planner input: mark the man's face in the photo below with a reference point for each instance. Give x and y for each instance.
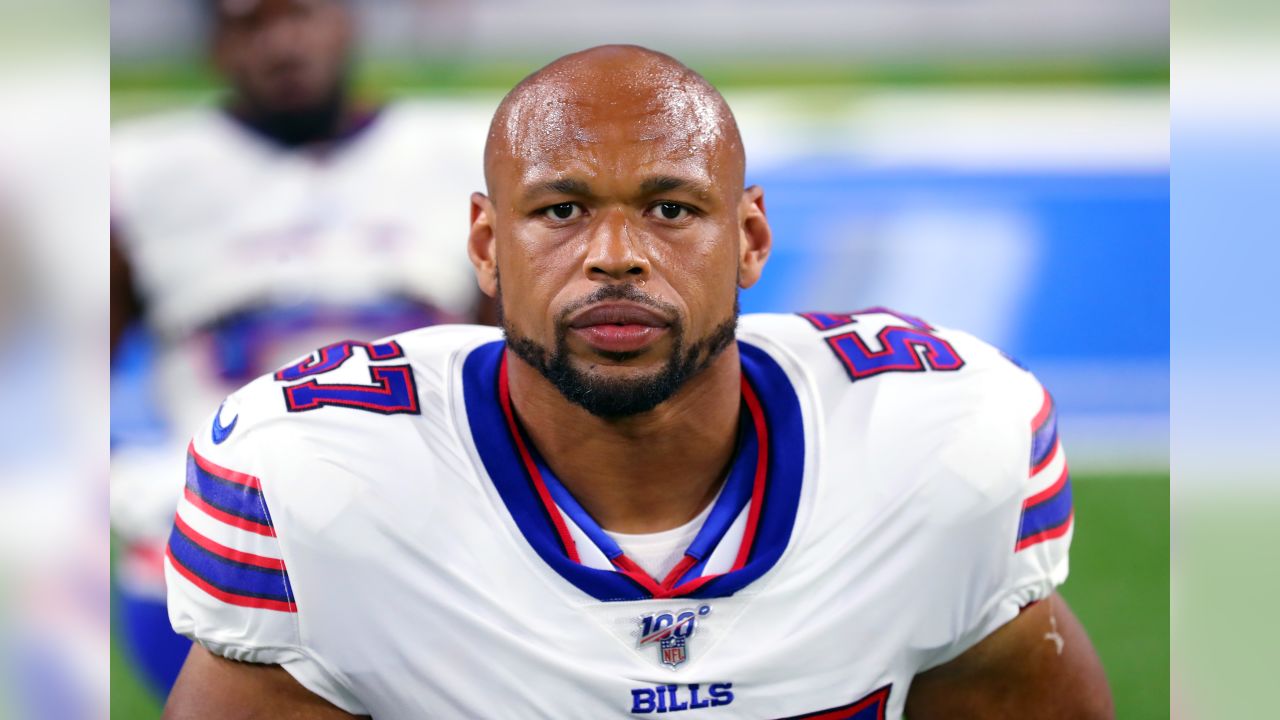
(617, 220)
(283, 56)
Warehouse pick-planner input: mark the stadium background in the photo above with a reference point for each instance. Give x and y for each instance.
(996, 166)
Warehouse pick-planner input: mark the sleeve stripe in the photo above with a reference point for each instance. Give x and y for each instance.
(228, 536)
(1044, 432)
(229, 580)
(1050, 534)
(232, 520)
(223, 551)
(1046, 407)
(229, 598)
(230, 493)
(1047, 460)
(1047, 514)
(217, 470)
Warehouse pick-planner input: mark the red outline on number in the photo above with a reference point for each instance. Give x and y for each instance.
(381, 376)
(917, 366)
(307, 366)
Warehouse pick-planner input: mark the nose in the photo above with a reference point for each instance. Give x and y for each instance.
(615, 252)
(279, 38)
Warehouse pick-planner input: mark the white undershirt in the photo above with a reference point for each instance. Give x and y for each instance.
(656, 553)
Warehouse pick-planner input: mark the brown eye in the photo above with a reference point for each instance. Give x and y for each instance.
(563, 211)
(671, 211)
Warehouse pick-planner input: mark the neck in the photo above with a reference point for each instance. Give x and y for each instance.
(319, 126)
(640, 474)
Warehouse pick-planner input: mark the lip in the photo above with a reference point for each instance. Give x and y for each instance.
(618, 327)
(617, 314)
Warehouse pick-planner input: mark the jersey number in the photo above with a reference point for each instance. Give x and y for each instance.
(911, 347)
(392, 390)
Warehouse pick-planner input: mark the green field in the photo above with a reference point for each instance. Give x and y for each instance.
(1119, 587)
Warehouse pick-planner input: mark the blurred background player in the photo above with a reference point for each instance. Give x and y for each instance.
(250, 232)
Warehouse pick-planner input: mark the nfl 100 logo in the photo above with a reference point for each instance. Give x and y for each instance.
(670, 632)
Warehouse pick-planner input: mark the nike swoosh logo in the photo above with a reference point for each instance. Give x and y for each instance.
(222, 432)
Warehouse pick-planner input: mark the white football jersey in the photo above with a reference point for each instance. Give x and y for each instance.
(214, 217)
(374, 519)
(248, 253)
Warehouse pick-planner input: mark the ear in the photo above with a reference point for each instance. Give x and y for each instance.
(756, 237)
(481, 247)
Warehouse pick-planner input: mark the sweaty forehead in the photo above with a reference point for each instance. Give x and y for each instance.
(628, 106)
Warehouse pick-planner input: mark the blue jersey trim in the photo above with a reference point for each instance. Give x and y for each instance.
(786, 471)
(229, 497)
(782, 493)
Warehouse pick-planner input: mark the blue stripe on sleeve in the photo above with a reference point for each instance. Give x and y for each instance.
(230, 497)
(1048, 514)
(228, 575)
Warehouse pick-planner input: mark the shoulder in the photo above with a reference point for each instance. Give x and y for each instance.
(344, 388)
(149, 137)
(943, 402)
(153, 155)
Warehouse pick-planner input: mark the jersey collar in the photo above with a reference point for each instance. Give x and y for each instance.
(762, 489)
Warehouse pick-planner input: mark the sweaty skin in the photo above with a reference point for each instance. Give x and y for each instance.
(584, 157)
(609, 135)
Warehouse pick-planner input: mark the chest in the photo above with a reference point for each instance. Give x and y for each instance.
(457, 619)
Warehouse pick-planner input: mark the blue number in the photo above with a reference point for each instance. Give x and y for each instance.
(392, 390)
(901, 352)
(910, 347)
(331, 357)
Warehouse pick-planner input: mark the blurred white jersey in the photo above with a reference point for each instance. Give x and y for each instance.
(248, 253)
(215, 217)
(374, 519)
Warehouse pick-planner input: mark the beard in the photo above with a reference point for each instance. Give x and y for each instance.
(294, 127)
(613, 398)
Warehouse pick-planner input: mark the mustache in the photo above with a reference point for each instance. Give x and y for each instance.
(627, 292)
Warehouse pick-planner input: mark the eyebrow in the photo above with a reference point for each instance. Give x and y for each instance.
(656, 185)
(560, 186)
(666, 183)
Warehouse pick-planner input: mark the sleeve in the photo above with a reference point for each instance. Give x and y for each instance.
(1022, 552)
(227, 578)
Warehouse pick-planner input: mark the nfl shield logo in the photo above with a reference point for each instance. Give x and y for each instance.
(671, 632)
(673, 652)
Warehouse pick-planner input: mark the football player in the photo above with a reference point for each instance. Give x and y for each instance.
(631, 501)
(253, 231)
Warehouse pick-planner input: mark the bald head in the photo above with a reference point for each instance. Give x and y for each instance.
(615, 181)
(614, 94)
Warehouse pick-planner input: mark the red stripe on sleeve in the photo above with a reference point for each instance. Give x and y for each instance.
(225, 473)
(1048, 492)
(1050, 534)
(1057, 447)
(1046, 407)
(228, 518)
(226, 597)
(225, 552)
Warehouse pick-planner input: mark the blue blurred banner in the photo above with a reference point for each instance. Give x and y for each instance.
(1066, 270)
